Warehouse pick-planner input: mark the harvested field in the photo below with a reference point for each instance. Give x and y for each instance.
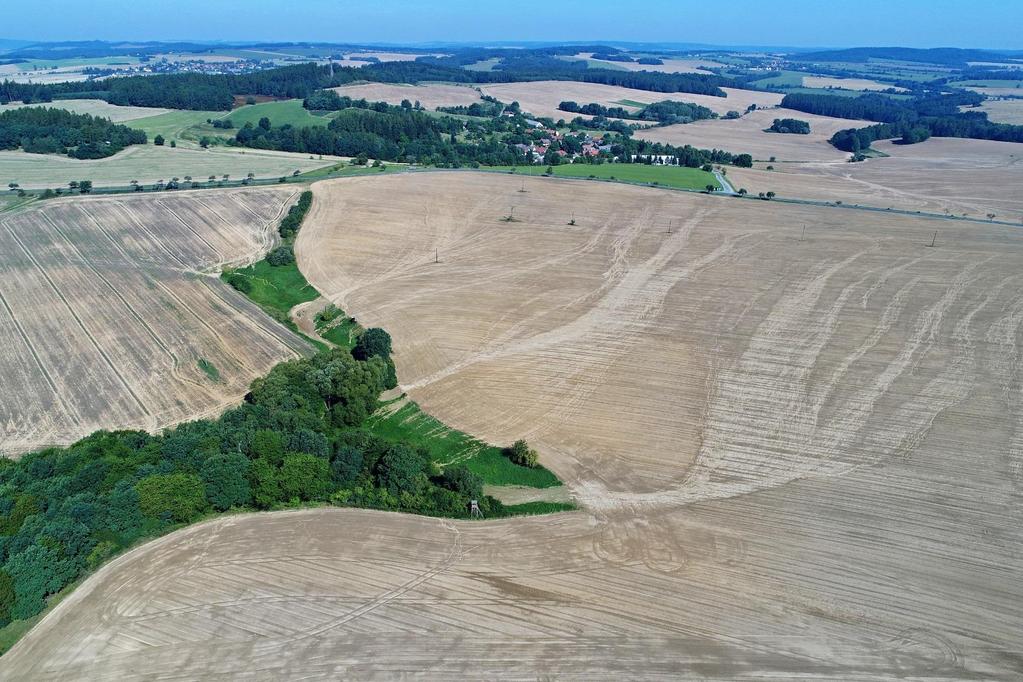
(95, 107)
(746, 135)
(105, 312)
(541, 98)
(149, 163)
(1003, 110)
(847, 83)
(962, 176)
(799, 459)
(431, 95)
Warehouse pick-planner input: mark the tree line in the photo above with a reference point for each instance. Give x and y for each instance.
(45, 130)
(666, 112)
(912, 120)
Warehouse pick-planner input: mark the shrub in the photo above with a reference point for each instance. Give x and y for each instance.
(239, 282)
(520, 453)
(282, 255)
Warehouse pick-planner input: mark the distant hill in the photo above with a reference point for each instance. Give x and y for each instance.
(947, 56)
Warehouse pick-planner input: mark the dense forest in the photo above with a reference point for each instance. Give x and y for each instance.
(386, 132)
(912, 120)
(45, 130)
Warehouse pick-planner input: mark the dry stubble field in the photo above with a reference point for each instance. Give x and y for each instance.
(975, 177)
(107, 306)
(746, 135)
(797, 459)
(541, 98)
(430, 95)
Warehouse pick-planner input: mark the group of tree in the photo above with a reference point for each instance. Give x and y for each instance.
(385, 132)
(663, 113)
(45, 130)
(789, 125)
(295, 439)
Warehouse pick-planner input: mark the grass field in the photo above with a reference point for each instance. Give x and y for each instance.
(279, 288)
(404, 421)
(286, 112)
(177, 124)
(667, 176)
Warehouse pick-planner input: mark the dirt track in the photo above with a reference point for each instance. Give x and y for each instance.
(799, 459)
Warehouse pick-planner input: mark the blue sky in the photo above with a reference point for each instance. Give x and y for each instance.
(911, 23)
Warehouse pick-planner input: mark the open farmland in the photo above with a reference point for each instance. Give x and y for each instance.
(798, 458)
(847, 83)
(669, 65)
(149, 163)
(95, 107)
(746, 135)
(430, 95)
(957, 175)
(106, 310)
(541, 98)
(1004, 110)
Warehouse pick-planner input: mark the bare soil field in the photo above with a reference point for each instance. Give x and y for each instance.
(106, 308)
(95, 107)
(431, 95)
(541, 98)
(847, 83)
(961, 176)
(149, 163)
(746, 135)
(797, 459)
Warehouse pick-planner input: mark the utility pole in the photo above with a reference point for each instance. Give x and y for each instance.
(934, 238)
(803, 233)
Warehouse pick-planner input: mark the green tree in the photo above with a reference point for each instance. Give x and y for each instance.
(266, 491)
(158, 140)
(520, 453)
(303, 476)
(6, 598)
(402, 470)
(374, 342)
(181, 497)
(225, 477)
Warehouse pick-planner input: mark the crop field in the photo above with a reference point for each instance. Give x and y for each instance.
(796, 457)
(109, 317)
(95, 107)
(430, 95)
(746, 135)
(149, 163)
(1004, 110)
(961, 176)
(541, 98)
